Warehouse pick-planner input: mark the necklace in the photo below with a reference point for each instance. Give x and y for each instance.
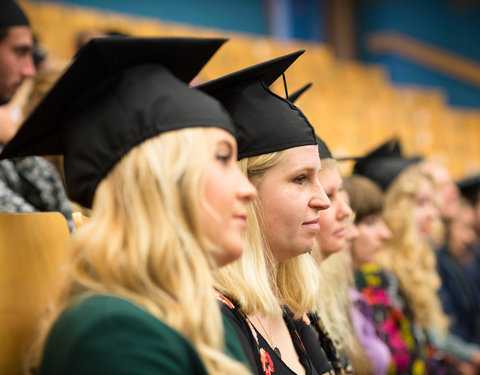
(269, 333)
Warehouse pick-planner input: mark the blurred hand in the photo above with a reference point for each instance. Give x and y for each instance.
(8, 128)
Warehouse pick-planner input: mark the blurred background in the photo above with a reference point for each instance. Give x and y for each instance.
(380, 68)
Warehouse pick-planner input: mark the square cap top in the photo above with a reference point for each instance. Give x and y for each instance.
(116, 94)
(384, 163)
(265, 122)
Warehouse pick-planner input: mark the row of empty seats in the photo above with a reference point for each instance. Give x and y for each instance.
(352, 105)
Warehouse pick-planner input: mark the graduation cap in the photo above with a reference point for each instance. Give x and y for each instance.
(265, 122)
(323, 150)
(116, 94)
(383, 164)
(11, 15)
(470, 188)
(294, 96)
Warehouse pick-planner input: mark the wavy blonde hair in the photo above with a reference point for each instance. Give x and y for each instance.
(256, 281)
(144, 242)
(333, 302)
(407, 255)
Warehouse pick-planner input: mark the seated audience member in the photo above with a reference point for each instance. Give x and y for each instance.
(409, 209)
(156, 162)
(366, 199)
(340, 314)
(470, 189)
(458, 265)
(268, 291)
(332, 304)
(27, 184)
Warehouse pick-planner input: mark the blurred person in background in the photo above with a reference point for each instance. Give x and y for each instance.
(470, 189)
(409, 209)
(27, 184)
(458, 265)
(447, 200)
(334, 303)
(385, 346)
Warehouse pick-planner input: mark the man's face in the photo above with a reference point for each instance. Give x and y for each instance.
(16, 62)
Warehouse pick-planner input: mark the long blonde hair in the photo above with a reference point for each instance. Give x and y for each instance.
(256, 281)
(407, 255)
(333, 302)
(143, 241)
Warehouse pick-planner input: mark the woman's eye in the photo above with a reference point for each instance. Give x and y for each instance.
(299, 180)
(370, 221)
(223, 158)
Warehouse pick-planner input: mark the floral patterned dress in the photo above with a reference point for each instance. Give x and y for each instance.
(393, 320)
(262, 358)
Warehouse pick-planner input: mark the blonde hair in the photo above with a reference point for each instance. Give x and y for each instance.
(256, 281)
(144, 243)
(333, 302)
(407, 255)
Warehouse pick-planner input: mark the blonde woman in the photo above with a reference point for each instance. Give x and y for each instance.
(334, 303)
(410, 207)
(333, 300)
(267, 292)
(156, 162)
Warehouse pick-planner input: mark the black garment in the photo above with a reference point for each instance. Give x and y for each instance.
(263, 360)
(460, 294)
(340, 363)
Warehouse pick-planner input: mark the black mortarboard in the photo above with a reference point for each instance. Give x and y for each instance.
(265, 122)
(390, 148)
(470, 188)
(294, 96)
(116, 94)
(383, 164)
(11, 15)
(323, 150)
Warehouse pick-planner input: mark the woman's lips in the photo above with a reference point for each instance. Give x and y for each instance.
(242, 219)
(313, 224)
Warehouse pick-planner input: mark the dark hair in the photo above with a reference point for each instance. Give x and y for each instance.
(366, 197)
(3, 32)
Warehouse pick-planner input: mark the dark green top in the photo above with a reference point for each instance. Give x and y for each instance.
(110, 335)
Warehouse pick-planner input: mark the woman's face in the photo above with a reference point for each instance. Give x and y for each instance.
(373, 232)
(352, 228)
(332, 236)
(227, 192)
(461, 231)
(290, 198)
(425, 210)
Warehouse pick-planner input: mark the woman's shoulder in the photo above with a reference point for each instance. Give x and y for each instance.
(90, 310)
(238, 330)
(107, 334)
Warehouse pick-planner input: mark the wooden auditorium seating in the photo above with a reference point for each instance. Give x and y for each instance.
(353, 106)
(32, 252)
